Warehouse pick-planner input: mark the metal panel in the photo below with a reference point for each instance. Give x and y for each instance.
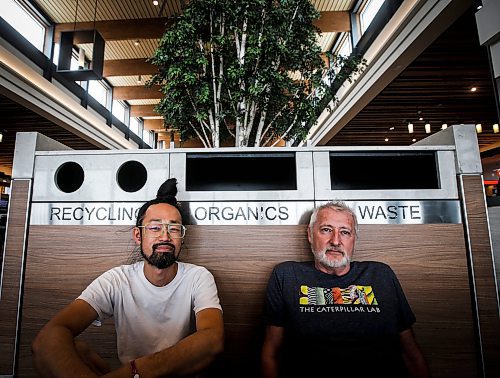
(304, 190)
(100, 181)
(446, 171)
(248, 213)
(464, 138)
(24, 154)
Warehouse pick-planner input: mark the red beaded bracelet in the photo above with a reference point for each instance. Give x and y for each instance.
(135, 373)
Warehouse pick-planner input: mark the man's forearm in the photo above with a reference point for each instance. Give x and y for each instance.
(269, 367)
(190, 355)
(271, 347)
(417, 366)
(55, 355)
(413, 356)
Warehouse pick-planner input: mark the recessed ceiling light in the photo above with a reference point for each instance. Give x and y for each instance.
(386, 139)
(473, 89)
(136, 43)
(391, 128)
(155, 2)
(413, 140)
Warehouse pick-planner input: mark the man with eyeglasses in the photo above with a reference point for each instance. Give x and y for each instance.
(167, 314)
(334, 317)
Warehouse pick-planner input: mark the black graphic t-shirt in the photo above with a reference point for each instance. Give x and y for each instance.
(336, 325)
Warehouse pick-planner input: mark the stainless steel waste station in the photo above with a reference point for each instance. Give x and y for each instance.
(421, 210)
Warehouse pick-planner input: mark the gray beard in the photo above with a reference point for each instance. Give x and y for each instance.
(323, 260)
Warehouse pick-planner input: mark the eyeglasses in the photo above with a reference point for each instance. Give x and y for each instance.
(174, 230)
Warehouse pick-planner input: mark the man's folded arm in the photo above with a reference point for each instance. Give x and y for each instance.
(190, 355)
(54, 350)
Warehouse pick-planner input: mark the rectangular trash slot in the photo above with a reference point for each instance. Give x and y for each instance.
(384, 170)
(241, 172)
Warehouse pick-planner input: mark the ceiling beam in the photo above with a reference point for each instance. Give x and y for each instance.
(167, 137)
(332, 22)
(152, 28)
(143, 111)
(154, 124)
(115, 30)
(139, 92)
(128, 67)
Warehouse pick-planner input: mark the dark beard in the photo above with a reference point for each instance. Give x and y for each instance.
(160, 260)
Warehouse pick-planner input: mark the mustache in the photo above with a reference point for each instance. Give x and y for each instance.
(334, 249)
(157, 245)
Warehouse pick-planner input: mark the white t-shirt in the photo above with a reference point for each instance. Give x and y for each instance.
(150, 318)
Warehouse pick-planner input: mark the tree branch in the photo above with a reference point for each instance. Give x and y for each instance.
(205, 141)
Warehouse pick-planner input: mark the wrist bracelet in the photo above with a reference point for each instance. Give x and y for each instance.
(135, 373)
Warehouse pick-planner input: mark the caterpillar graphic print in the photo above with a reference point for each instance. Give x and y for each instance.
(353, 295)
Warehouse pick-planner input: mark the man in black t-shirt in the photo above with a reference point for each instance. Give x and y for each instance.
(332, 317)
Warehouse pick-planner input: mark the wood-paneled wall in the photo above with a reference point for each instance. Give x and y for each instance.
(12, 271)
(482, 272)
(430, 261)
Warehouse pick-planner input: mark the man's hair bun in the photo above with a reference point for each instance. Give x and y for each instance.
(167, 189)
(166, 194)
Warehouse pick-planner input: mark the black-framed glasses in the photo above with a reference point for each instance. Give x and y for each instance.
(174, 230)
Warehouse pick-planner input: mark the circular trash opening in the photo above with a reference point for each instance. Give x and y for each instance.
(69, 177)
(131, 176)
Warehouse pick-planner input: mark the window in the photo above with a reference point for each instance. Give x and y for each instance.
(55, 57)
(119, 110)
(341, 48)
(135, 126)
(369, 12)
(24, 22)
(148, 137)
(74, 63)
(97, 90)
(344, 47)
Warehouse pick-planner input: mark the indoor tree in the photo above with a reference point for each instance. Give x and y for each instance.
(250, 70)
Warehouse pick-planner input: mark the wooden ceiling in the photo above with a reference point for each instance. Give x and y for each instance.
(437, 84)
(436, 87)
(16, 118)
(132, 29)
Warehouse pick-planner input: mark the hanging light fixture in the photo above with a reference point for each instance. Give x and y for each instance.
(1, 137)
(410, 128)
(479, 128)
(139, 79)
(94, 69)
(444, 126)
(495, 128)
(428, 128)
